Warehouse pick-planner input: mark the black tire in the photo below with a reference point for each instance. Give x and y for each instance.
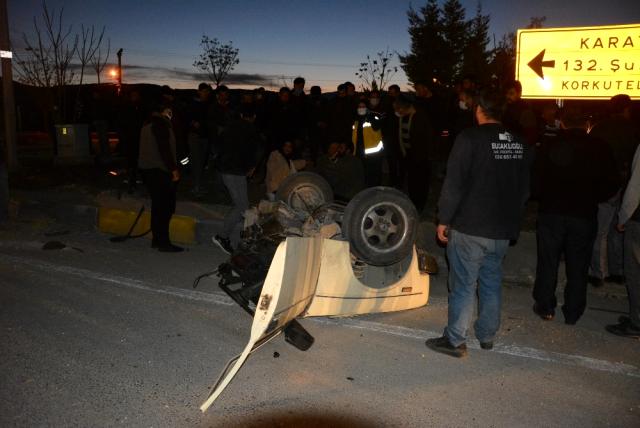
(381, 224)
(305, 191)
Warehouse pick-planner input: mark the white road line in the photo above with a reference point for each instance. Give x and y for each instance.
(513, 350)
(217, 299)
(393, 330)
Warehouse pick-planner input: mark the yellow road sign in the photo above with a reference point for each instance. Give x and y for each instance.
(579, 62)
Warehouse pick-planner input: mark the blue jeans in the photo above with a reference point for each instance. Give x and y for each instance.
(608, 253)
(474, 260)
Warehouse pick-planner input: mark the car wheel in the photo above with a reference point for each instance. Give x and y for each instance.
(305, 191)
(381, 224)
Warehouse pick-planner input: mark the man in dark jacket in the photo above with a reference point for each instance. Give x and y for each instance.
(341, 115)
(621, 134)
(629, 223)
(416, 138)
(131, 118)
(219, 115)
(157, 163)
(283, 124)
(569, 187)
(239, 154)
(480, 209)
(518, 117)
(390, 135)
(198, 137)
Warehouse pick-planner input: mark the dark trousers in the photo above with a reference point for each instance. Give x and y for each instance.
(573, 236)
(373, 169)
(131, 148)
(418, 174)
(163, 203)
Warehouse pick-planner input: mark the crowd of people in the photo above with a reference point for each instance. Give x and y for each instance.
(581, 172)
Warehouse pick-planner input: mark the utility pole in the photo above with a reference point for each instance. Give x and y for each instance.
(7, 89)
(119, 54)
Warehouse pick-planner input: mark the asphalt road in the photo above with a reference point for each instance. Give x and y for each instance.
(110, 334)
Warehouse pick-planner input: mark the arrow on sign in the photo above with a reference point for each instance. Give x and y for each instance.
(538, 62)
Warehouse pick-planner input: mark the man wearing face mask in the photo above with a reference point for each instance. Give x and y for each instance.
(390, 136)
(464, 113)
(157, 163)
(366, 138)
(416, 138)
(481, 205)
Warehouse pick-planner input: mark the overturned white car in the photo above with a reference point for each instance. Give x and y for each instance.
(308, 256)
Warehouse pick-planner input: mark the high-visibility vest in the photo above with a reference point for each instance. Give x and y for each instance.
(372, 139)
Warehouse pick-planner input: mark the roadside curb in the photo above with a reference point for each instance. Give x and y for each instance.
(117, 216)
(183, 229)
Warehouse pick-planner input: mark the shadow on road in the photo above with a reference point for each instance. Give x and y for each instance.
(299, 419)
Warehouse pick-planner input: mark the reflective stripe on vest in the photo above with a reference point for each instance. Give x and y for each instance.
(372, 139)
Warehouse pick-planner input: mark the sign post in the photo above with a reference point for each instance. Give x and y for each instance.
(579, 62)
(7, 92)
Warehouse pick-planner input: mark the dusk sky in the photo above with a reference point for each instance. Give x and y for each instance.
(278, 39)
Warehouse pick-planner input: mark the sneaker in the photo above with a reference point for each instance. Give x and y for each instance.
(442, 345)
(486, 345)
(624, 330)
(170, 248)
(544, 315)
(223, 243)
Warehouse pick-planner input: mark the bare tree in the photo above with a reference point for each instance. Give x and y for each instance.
(216, 59)
(48, 52)
(98, 62)
(35, 67)
(63, 44)
(376, 72)
(47, 58)
(90, 42)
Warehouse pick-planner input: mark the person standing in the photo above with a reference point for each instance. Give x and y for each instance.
(341, 116)
(390, 135)
(317, 123)
(366, 138)
(415, 136)
(198, 137)
(619, 131)
(629, 223)
(480, 209)
(131, 119)
(157, 163)
(282, 121)
(239, 154)
(568, 190)
(219, 115)
(518, 116)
